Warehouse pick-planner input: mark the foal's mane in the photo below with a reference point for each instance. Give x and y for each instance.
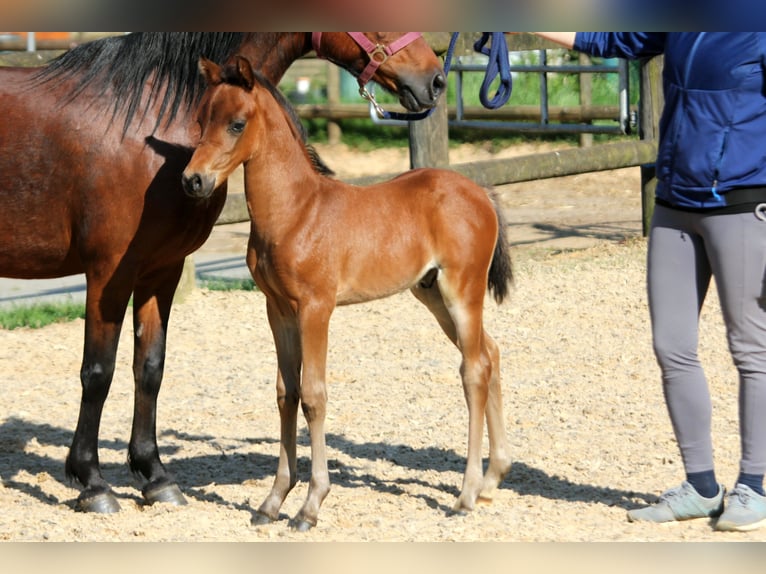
(123, 64)
(230, 75)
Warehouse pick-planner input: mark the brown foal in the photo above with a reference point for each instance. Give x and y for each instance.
(316, 242)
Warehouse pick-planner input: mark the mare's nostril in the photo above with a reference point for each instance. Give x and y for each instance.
(438, 84)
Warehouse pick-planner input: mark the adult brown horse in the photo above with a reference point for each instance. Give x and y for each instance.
(92, 147)
(316, 243)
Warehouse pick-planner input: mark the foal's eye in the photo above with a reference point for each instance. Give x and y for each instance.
(237, 127)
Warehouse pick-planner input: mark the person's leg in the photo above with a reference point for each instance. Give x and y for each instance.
(737, 247)
(678, 276)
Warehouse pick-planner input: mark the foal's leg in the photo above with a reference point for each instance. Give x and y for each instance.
(314, 320)
(153, 297)
(105, 306)
(480, 372)
(288, 347)
(499, 446)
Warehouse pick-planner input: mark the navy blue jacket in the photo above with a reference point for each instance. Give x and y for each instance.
(713, 126)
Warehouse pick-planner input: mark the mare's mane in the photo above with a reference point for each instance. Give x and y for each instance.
(122, 65)
(230, 75)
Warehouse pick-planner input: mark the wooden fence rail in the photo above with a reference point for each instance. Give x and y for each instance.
(509, 113)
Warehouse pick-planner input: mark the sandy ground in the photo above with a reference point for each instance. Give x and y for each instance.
(583, 406)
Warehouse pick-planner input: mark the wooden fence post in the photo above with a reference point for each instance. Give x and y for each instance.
(586, 95)
(429, 139)
(333, 97)
(651, 101)
(188, 281)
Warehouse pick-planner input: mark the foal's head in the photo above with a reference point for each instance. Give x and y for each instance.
(231, 118)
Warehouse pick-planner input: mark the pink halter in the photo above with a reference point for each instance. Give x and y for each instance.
(377, 53)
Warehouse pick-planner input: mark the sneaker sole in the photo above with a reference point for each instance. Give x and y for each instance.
(632, 520)
(635, 520)
(729, 527)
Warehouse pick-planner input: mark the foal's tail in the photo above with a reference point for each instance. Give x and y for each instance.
(500, 270)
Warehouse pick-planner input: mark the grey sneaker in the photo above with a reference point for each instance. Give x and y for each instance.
(745, 510)
(680, 503)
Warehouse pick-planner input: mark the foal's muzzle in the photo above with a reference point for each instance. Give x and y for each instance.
(197, 185)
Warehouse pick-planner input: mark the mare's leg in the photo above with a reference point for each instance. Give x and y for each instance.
(480, 372)
(288, 345)
(314, 320)
(105, 306)
(152, 301)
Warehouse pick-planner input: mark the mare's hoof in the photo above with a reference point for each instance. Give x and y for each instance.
(168, 493)
(260, 519)
(101, 503)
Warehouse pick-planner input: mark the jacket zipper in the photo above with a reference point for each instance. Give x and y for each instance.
(719, 161)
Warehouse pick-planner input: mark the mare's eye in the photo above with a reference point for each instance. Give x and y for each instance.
(237, 127)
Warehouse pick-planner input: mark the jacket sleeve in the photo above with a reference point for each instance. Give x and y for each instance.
(629, 45)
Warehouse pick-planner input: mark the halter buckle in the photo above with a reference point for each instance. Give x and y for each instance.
(373, 102)
(379, 54)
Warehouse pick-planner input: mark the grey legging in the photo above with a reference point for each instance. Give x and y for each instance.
(685, 249)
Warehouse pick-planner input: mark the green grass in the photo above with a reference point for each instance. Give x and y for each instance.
(40, 314)
(246, 284)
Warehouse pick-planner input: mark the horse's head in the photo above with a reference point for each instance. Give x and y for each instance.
(226, 117)
(402, 63)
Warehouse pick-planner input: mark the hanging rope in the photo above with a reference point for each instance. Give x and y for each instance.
(498, 65)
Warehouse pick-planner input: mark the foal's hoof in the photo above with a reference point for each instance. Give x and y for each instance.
(101, 503)
(301, 524)
(168, 493)
(260, 519)
(460, 509)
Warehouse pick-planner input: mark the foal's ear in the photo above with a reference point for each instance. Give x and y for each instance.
(245, 72)
(210, 70)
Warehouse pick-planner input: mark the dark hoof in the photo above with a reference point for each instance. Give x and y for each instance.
(260, 519)
(458, 512)
(168, 493)
(101, 503)
(301, 525)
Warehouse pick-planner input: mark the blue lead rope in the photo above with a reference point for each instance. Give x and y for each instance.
(498, 65)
